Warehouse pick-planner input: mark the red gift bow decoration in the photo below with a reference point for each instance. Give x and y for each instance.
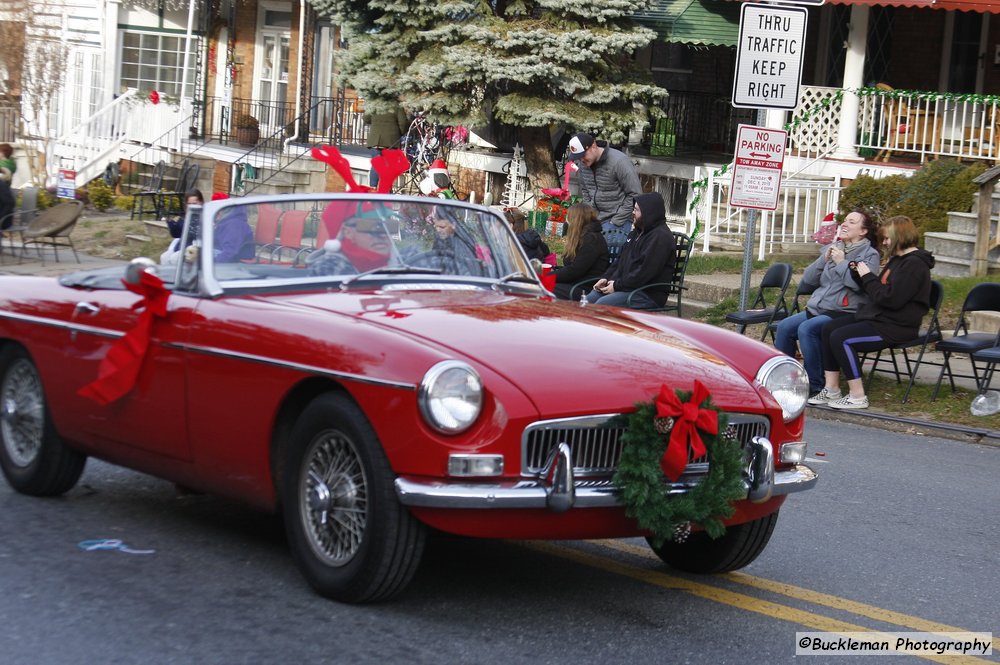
(154, 97)
(119, 370)
(689, 417)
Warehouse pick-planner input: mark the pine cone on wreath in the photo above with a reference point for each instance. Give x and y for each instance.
(682, 531)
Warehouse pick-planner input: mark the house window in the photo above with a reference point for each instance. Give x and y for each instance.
(671, 57)
(153, 61)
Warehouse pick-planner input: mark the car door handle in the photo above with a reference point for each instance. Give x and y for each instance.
(87, 308)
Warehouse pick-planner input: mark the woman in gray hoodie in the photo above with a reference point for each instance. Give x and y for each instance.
(836, 294)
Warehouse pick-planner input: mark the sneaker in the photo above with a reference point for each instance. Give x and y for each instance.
(824, 397)
(848, 402)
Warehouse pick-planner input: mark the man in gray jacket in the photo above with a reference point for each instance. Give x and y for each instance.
(609, 182)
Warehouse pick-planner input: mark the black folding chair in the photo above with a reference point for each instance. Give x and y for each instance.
(802, 293)
(929, 335)
(989, 357)
(775, 281)
(984, 297)
(171, 204)
(151, 193)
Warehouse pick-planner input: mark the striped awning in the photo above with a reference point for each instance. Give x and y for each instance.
(705, 22)
(982, 6)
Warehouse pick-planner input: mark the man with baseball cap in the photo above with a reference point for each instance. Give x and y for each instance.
(609, 182)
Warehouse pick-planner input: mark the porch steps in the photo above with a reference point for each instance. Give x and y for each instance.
(291, 176)
(954, 249)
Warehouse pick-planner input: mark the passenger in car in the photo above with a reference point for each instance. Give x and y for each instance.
(452, 251)
(233, 235)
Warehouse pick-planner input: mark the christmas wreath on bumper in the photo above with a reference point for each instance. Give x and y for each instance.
(659, 437)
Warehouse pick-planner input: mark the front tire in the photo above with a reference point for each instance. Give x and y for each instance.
(34, 459)
(351, 538)
(737, 548)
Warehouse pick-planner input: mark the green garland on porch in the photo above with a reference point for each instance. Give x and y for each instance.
(824, 104)
(642, 486)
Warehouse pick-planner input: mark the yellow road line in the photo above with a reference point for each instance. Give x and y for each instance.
(815, 597)
(742, 601)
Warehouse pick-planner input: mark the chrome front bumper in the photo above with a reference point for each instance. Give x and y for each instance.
(556, 489)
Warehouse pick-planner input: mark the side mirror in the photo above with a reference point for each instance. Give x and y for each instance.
(136, 267)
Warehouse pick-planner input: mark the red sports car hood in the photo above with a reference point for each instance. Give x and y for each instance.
(566, 358)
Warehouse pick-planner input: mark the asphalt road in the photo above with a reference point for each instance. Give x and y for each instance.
(899, 534)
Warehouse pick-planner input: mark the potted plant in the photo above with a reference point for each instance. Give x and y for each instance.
(247, 129)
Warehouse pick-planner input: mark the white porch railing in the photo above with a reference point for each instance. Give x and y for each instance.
(89, 146)
(891, 122)
(802, 205)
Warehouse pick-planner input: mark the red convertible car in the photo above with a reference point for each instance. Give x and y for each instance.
(372, 367)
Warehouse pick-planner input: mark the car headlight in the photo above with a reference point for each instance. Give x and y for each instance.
(450, 396)
(788, 382)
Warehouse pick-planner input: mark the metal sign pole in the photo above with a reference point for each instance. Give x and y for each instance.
(750, 234)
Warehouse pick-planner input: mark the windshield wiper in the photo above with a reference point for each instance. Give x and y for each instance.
(385, 270)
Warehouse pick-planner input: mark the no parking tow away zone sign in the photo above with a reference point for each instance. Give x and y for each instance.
(760, 155)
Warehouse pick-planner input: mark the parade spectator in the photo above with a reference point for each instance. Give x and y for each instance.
(7, 199)
(531, 242)
(609, 182)
(384, 131)
(647, 258)
(898, 300)
(836, 294)
(586, 252)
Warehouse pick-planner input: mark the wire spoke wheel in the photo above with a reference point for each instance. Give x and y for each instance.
(22, 412)
(34, 459)
(350, 536)
(335, 505)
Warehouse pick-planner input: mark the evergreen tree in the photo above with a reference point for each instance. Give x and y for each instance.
(532, 64)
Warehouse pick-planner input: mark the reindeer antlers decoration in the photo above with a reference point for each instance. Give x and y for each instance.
(389, 166)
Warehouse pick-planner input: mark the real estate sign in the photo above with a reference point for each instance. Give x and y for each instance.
(769, 56)
(760, 156)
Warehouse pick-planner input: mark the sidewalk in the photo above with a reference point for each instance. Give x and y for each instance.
(32, 264)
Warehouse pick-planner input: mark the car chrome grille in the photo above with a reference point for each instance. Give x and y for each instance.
(596, 447)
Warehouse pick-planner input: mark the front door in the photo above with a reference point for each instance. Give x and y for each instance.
(271, 77)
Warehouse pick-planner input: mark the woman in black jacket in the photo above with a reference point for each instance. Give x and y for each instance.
(586, 252)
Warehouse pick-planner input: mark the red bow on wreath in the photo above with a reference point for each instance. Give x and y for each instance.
(119, 370)
(688, 417)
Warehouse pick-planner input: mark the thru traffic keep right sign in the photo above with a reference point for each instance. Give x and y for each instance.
(769, 57)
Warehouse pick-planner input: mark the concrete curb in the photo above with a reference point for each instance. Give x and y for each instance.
(888, 421)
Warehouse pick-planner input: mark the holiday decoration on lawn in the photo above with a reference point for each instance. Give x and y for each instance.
(516, 186)
(660, 438)
(437, 181)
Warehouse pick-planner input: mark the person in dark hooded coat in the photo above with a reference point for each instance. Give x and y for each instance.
(647, 257)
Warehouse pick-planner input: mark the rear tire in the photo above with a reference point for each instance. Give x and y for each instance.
(351, 538)
(737, 548)
(34, 459)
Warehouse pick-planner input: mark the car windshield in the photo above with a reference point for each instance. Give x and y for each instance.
(348, 238)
